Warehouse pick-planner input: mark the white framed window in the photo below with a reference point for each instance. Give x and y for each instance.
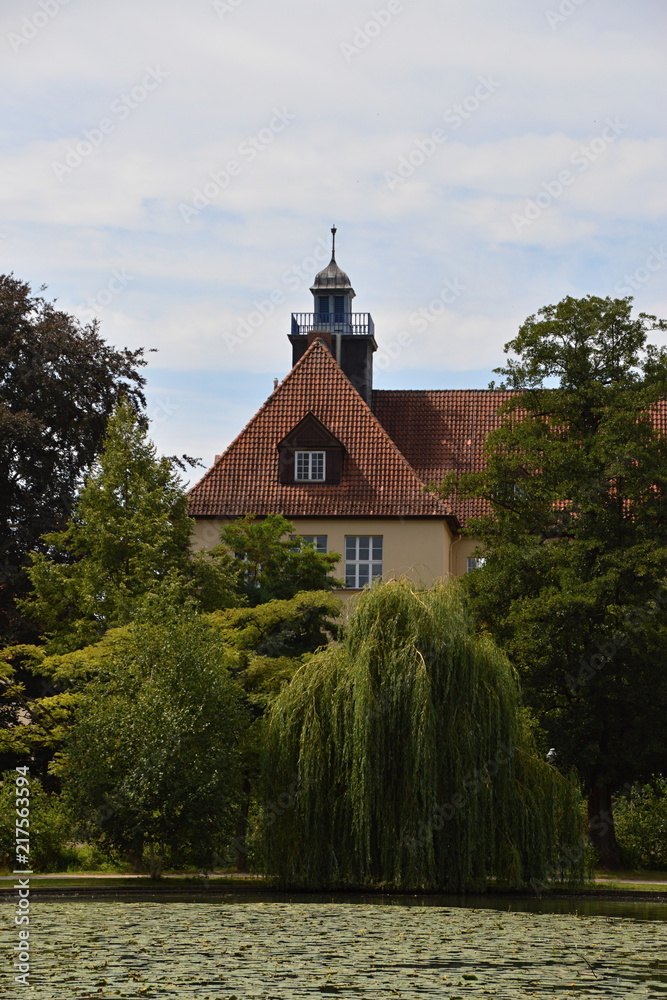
(310, 466)
(475, 562)
(363, 560)
(318, 541)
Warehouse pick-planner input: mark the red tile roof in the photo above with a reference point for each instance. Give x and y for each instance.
(439, 430)
(409, 440)
(377, 479)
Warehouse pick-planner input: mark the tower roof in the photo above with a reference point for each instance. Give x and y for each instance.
(332, 278)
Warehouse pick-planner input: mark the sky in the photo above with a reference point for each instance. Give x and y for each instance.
(173, 170)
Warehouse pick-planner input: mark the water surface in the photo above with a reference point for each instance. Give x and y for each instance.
(275, 949)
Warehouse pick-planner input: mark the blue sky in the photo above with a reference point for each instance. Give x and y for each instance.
(168, 166)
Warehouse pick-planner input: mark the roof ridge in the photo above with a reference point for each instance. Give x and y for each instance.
(445, 390)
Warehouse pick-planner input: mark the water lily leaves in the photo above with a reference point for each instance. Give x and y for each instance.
(283, 951)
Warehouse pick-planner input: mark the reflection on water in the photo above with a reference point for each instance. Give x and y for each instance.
(585, 906)
(256, 947)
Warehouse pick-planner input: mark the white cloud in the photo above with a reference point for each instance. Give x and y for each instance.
(354, 121)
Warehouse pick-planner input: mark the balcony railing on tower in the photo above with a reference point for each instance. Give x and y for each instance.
(359, 324)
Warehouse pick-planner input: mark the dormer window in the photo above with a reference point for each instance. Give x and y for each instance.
(310, 466)
(310, 454)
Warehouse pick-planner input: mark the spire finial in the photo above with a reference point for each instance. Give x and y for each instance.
(333, 242)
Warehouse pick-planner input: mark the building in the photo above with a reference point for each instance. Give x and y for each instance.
(350, 465)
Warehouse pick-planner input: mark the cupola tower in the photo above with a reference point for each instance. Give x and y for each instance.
(350, 336)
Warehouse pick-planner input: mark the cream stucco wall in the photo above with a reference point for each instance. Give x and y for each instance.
(462, 548)
(419, 549)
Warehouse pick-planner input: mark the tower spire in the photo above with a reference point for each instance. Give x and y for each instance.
(333, 242)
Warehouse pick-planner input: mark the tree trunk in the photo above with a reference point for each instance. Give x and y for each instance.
(601, 826)
(240, 842)
(155, 860)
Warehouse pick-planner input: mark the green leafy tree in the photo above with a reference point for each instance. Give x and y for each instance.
(51, 828)
(152, 766)
(128, 536)
(39, 697)
(402, 758)
(573, 587)
(268, 644)
(277, 564)
(59, 383)
(641, 823)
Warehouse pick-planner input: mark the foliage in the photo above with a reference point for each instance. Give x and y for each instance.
(51, 829)
(153, 759)
(576, 540)
(128, 536)
(59, 382)
(277, 564)
(289, 627)
(641, 825)
(402, 758)
(268, 644)
(40, 696)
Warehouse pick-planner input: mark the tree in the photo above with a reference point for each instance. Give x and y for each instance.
(51, 830)
(573, 587)
(153, 762)
(59, 382)
(402, 758)
(42, 693)
(128, 536)
(268, 644)
(277, 564)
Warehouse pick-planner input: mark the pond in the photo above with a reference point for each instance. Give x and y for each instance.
(224, 949)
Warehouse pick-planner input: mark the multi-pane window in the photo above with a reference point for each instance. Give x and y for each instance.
(310, 466)
(475, 562)
(363, 560)
(318, 541)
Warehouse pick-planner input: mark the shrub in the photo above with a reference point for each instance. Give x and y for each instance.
(51, 829)
(641, 825)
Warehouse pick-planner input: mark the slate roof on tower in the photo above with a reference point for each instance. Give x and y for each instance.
(377, 479)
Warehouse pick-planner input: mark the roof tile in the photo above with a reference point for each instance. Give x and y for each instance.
(440, 430)
(377, 480)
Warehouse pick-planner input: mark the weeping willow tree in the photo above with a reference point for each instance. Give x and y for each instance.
(402, 758)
